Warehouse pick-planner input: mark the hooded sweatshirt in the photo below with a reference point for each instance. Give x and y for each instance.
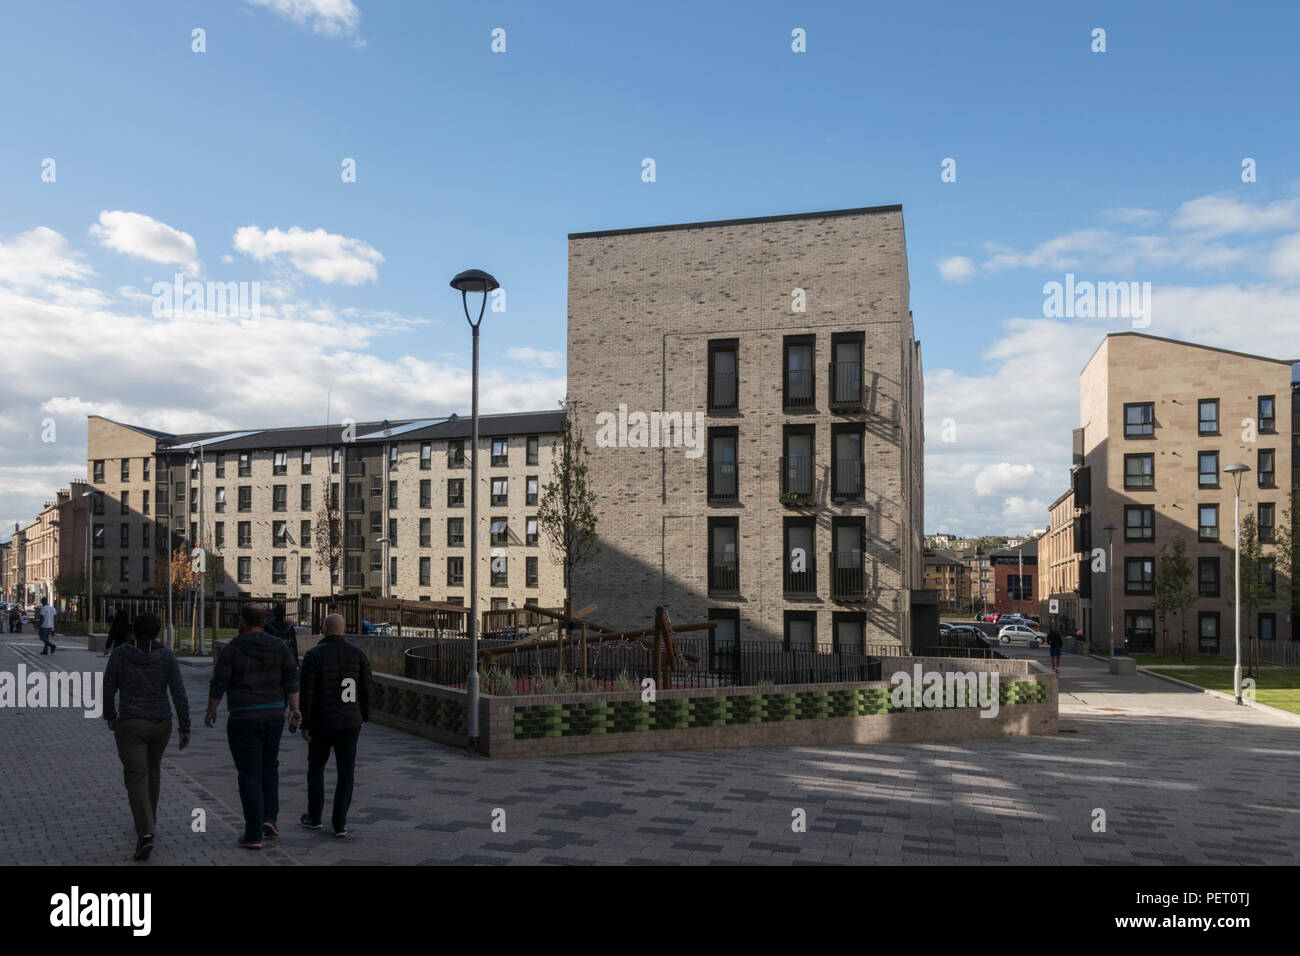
(258, 672)
(142, 678)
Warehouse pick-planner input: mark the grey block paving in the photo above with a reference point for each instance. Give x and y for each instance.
(1183, 777)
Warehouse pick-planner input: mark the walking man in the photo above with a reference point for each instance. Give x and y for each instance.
(45, 626)
(1055, 642)
(258, 673)
(281, 628)
(335, 703)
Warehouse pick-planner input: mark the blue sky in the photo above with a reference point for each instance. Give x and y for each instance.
(1123, 165)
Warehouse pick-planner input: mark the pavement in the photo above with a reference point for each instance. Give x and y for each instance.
(1182, 778)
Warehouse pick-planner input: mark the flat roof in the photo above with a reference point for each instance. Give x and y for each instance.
(827, 214)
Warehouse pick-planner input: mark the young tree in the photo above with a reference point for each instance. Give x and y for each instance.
(566, 511)
(1286, 542)
(1174, 590)
(327, 535)
(1255, 592)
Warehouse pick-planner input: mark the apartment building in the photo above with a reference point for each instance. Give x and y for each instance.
(980, 572)
(1160, 420)
(396, 494)
(948, 573)
(9, 558)
(1015, 569)
(790, 508)
(55, 543)
(1058, 579)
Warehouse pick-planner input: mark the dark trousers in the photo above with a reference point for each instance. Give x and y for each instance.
(344, 745)
(255, 745)
(140, 746)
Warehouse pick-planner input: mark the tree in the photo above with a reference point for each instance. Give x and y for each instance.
(1286, 543)
(1255, 591)
(327, 536)
(1173, 581)
(566, 512)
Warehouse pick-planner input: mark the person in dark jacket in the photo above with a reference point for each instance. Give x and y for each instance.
(142, 672)
(119, 630)
(281, 628)
(258, 673)
(1055, 642)
(335, 703)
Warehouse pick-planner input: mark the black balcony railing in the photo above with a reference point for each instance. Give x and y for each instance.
(724, 574)
(354, 579)
(354, 542)
(723, 486)
(846, 385)
(847, 479)
(799, 388)
(722, 392)
(801, 583)
(848, 577)
(797, 479)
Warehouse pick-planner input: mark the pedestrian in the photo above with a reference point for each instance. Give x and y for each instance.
(142, 671)
(335, 703)
(258, 672)
(45, 626)
(281, 628)
(1055, 642)
(22, 620)
(119, 629)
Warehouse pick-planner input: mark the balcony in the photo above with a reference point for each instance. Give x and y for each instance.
(724, 574)
(354, 506)
(722, 392)
(848, 575)
(847, 479)
(847, 393)
(799, 389)
(801, 583)
(797, 480)
(722, 484)
(355, 542)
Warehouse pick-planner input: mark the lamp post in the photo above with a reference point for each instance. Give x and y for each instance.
(473, 280)
(1236, 469)
(1110, 530)
(386, 541)
(203, 552)
(297, 586)
(90, 561)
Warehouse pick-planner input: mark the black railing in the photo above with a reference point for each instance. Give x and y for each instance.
(799, 388)
(846, 385)
(848, 578)
(801, 583)
(797, 479)
(722, 392)
(723, 483)
(724, 574)
(847, 480)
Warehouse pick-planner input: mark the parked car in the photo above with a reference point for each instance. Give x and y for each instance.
(1021, 632)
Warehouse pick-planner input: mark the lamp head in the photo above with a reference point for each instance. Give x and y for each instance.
(474, 280)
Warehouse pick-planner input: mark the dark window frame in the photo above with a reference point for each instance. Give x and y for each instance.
(809, 402)
(1149, 426)
(719, 575)
(715, 346)
(1137, 456)
(722, 433)
(1146, 585)
(1149, 525)
(1200, 418)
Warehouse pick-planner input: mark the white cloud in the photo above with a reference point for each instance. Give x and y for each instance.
(39, 257)
(1063, 252)
(333, 18)
(135, 234)
(322, 255)
(1032, 512)
(1284, 260)
(956, 269)
(538, 357)
(1220, 215)
(1002, 477)
(1132, 217)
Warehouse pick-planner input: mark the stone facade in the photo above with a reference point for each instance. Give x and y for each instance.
(735, 326)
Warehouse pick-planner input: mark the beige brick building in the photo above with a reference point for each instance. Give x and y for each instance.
(1161, 419)
(56, 542)
(948, 573)
(786, 345)
(1058, 566)
(264, 495)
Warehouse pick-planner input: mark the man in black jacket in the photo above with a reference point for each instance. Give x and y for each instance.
(279, 627)
(258, 672)
(335, 703)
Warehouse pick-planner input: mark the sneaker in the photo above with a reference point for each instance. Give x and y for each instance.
(306, 821)
(44, 651)
(249, 845)
(339, 834)
(269, 830)
(53, 648)
(143, 847)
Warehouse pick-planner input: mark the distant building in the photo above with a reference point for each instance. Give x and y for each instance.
(947, 573)
(1015, 570)
(1058, 579)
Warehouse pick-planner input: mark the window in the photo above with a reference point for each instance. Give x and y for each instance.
(392, 494)
(245, 533)
(531, 455)
(1139, 472)
(847, 632)
(392, 570)
(334, 461)
(304, 570)
(1208, 631)
(1140, 631)
(1267, 625)
(799, 571)
(124, 572)
(376, 487)
(498, 532)
(124, 536)
(220, 465)
(304, 497)
(97, 471)
(723, 380)
(145, 534)
(724, 569)
(846, 390)
(392, 457)
(1139, 522)
(499, 568)
(126, 503)
(97, 504)
(1265, 521)
(279, 574)
(245, 497)
(499, 492)
(126, 469)
(530, 490)
(724, 639)
(455, 572)
(722, 475)
(1268, 574)
(1209, 523)
(145, 569)
(194, 468)
(1139, 576)
(280, 464)
(305, 467)
(846, 461)
(245, 566)
(800, 630)
(97, 567)
(145, 464)
(530, 572)
(426, 493)
(848, 578)
(1207, 416)
(1020, 587)
(279, 497)
(1266, 475)
(194, 501)
(1267, 419)
(245, 464)
(334, 495)
(1207, 577)
(304, 533)
(377, 522)
(455, 492)
(219, 533)
(456, 453)
(1140, 420)
(426, 456)
(530, 531)
(180, 491)
(426, 572)
(221, 499)
(392, 532)
(144, 503)
(376, 559)
(426, 532)
(1208, 476)
(798, 360)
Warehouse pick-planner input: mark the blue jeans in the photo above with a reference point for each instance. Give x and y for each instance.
(45, 633)
(255, 745)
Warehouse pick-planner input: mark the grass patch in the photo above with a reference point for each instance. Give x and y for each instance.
(1193, 660)
(1277, 686)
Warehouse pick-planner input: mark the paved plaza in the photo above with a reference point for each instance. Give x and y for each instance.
(1183, 778)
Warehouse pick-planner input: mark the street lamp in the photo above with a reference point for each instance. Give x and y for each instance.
(1236, 469)
(90, 562)
(1110, 530)
(297, 585)
(473, 280)
(385, 541)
